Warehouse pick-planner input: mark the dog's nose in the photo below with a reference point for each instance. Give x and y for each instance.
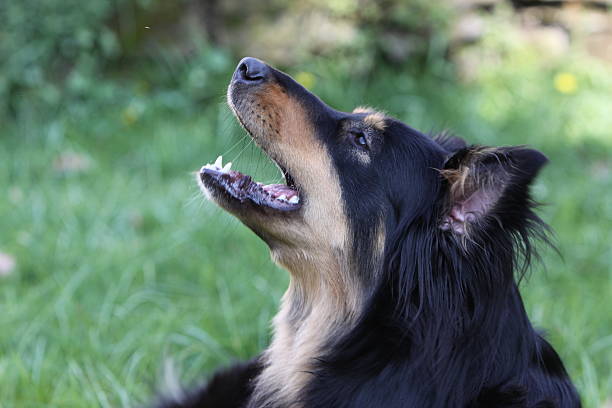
(252, 70)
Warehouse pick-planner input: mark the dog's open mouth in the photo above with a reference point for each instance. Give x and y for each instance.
(241, 187)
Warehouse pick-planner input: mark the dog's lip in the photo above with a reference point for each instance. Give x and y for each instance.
(243, 188)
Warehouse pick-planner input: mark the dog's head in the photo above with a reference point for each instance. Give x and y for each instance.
(361, 185)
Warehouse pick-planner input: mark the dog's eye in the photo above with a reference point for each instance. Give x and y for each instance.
(360, 140)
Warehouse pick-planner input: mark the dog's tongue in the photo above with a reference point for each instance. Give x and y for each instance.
(278, 190)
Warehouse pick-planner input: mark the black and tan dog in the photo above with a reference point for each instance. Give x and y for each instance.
(403, 250)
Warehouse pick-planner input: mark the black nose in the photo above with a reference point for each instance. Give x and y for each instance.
(252, 70)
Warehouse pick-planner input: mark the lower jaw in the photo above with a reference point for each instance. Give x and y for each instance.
(243, 189)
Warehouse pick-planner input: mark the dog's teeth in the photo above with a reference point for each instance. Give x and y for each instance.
(294, 200)
(227, 167)
(219, 162)
(282, 197)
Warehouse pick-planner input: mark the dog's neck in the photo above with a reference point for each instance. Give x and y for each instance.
(320, 303)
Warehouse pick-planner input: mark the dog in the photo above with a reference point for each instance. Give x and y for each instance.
(404, 252)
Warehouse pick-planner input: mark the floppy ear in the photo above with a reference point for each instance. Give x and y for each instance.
(486, 182)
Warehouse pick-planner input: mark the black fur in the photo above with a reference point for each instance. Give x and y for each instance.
(444, 323)
(228, 388)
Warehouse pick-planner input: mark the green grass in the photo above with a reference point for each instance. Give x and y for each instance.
(122, 267)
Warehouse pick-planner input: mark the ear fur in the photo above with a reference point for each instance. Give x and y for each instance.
(478, 179)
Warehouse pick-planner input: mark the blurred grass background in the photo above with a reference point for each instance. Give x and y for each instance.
(112, 266)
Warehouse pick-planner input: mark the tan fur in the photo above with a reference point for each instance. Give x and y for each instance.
(323, 293)
(376, 120)
(458, 180)
(363, 157)
(379, 243)
(364, 109)
(298, 339)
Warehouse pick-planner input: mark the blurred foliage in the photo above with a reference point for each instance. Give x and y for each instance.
(56, 51)
(514, 75)
(45, 43)
(60, 50)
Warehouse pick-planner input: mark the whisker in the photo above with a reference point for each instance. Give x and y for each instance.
(249, 143)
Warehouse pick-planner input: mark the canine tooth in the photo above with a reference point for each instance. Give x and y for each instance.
(294, 200)
(227, 167)
(282, 197)
(219, 162)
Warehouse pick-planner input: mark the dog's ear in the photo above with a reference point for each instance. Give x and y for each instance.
(487, 183)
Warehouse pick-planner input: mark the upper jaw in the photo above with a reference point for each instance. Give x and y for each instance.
(235, 191)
